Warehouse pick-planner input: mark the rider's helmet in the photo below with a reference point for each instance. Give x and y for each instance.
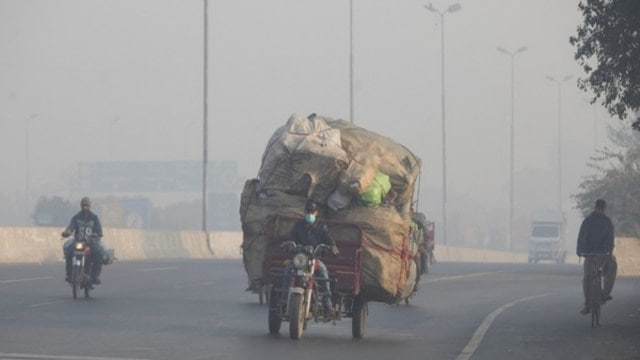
(311, 206)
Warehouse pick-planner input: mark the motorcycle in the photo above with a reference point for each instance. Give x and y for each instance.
(303, 301)
(81, 268)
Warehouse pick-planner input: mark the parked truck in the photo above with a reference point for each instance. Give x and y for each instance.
(548, 238)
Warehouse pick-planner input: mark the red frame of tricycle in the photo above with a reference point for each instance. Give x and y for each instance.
(344, 269)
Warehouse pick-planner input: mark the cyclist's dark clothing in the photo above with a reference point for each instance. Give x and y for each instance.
(596, 235)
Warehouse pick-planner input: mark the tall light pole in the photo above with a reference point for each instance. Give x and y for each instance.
(512, 55)
(559, 83)
(452, 8)
(205, 124)
(27, 179)
(351, 61)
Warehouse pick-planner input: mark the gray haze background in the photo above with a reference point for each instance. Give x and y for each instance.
(84, 74)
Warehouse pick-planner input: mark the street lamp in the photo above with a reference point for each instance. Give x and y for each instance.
(452, 8)
(351, 60)
(512, 55)
(27, 154)
(205, 121)
(559, 83)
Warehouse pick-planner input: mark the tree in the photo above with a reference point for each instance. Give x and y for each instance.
(617, 181)
(607, 48)
(54, 211)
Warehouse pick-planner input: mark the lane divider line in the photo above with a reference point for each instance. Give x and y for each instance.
(475, 341)
(57, 357)
(159, 268)
(456, 277)
(47, 303)
(28, 279)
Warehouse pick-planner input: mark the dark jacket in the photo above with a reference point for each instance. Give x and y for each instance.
(311, 234)
(85, 225)
(596, 235)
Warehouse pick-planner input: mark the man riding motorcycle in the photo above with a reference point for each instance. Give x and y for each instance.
(85, 226)
(311, 231)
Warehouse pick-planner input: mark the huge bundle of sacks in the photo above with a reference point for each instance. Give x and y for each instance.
(357, 176)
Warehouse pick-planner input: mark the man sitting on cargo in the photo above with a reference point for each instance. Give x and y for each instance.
(311, 231)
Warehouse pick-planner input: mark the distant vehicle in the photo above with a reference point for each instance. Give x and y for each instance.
(547, 240)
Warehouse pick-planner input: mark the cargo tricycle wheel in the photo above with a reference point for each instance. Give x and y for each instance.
(359, 312)
(275, 321)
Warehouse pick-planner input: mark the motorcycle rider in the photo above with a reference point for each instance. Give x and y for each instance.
(596, 237)
(85, 226)
(312, 231)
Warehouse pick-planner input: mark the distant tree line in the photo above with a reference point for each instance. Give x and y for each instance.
(57, 212)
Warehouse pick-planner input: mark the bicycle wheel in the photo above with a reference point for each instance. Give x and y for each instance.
(595, 315)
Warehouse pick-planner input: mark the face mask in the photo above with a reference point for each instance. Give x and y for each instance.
(310, 218)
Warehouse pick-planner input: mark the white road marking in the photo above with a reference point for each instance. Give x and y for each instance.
(473, 344)
(196, 284)
(457, 277)
(56, 357)
(47, 303)
(159, 269)
(27, 279)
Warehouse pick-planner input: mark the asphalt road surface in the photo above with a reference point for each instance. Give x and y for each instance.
(199, 310)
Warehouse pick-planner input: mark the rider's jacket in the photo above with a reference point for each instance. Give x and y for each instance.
(596, 235)
(85, 225)
(314, 234)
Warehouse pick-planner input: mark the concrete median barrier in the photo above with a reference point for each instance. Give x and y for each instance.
(627, 253)
(43, 244)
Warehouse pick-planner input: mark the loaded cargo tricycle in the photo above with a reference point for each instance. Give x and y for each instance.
(299, 300)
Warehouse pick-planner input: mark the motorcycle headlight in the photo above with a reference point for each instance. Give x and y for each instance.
(79, 246)
(300, 261)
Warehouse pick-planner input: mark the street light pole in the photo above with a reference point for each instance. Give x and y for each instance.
(512, 55)
(559, 83)
(452, 8)
(351, 61)
(205, 127)
(27, 179)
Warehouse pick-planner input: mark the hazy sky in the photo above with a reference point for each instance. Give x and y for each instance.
(86, 71)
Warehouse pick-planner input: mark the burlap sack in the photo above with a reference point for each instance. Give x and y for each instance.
(316, 157)
(387, 255)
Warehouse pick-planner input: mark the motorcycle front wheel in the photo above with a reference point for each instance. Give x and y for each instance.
(296, 316)
(87, 286)
(76, 278)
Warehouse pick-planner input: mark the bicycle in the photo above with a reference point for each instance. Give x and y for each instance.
(594, 298)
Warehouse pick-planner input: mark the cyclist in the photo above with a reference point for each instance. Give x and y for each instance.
(596, 237)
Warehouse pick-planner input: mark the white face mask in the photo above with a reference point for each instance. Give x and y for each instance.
(310, 218)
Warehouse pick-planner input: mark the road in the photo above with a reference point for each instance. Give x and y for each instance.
(190, 310)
